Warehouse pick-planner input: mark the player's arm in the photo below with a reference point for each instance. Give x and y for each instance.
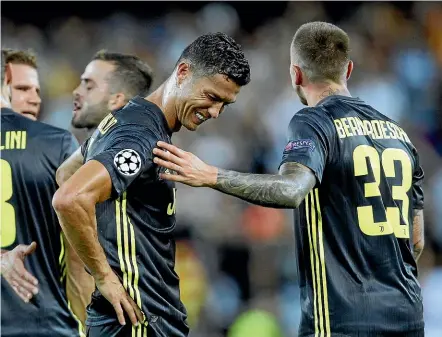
(70, 165)
(302, 167)
(75, 203)
(418, 206)
(418, 233)
(286, 190)
(79, 284)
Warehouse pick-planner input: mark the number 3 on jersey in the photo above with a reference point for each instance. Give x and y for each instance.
(8, 229)
(365, 213)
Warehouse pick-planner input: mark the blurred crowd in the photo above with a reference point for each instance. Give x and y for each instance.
(236, 261)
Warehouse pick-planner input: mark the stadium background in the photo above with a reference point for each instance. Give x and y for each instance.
(236, 260)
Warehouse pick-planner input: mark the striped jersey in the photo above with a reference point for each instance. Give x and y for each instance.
(135, 226)
(353, 231)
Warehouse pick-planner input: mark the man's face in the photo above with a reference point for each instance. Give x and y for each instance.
(91, 97)
(202, 98)
(25, 91)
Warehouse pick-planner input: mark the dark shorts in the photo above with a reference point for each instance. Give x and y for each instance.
(417, 333)
(156, 328)
(117, 330)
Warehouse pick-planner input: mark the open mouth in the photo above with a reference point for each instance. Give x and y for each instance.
(200, 116)
(30, 114)
(77, 107)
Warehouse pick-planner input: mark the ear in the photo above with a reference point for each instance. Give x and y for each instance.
(8, 74)
(116, 101)
(298, 78)
(349, 69)
(182, 72)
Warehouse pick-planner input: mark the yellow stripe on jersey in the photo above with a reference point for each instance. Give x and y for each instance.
(120, 241)
(322, 258)
(62, 259)
(317, 260)
(127, 256)
(126, 247)
(315, 306)
(80, 326)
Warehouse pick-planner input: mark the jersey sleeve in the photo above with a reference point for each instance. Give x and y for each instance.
(126, 154)
(417, 190)
(70, 145)
(84, 147)
(308, 141)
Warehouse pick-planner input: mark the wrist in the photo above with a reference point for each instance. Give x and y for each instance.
(102, 274)
(212, 176)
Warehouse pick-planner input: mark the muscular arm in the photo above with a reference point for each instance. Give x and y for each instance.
(69, 167)
(79, 284)
(418, 233)
(75, 204)
(286, 190)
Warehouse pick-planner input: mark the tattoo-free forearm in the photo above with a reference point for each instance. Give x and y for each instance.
(277, 191)
(77, 219)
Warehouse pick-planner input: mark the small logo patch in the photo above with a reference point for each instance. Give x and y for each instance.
(294, 145)
(128, 162)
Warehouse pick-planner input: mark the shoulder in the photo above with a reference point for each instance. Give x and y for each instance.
(316, 117)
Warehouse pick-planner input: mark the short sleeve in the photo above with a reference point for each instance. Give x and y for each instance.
(417, 190)
(308, 141)
(126, 154)
(70, 145)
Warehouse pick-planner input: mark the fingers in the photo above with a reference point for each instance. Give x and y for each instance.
(167, 164)
(24, 286)
(172, 177)
(119, 312)
(30, 248)
(137, 310)
(26, 276)
(168, 156)
(130, 310)
(25, 296)
(171, 148)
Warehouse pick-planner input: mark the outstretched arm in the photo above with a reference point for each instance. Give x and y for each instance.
(286, 190)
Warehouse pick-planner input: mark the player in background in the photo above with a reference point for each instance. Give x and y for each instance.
(108, 82)
(354, 177)
(25, 85)
(116, 211)
(42, 277)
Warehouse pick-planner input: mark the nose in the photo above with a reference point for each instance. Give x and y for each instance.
(216, 109)
(34, 98)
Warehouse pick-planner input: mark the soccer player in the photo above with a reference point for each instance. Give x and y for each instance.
(116, 211)
(25, 85)
(42, 277)
(354, 177)
(109, 81)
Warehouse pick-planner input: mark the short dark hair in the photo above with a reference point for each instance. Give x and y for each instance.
(217, 53)
(131, 75)
(15, 56)
(322, 51)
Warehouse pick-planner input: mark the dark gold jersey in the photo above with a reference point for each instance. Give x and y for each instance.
(353, 231)
(31, 152)
(136, 224)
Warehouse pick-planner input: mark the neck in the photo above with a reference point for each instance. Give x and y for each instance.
(164, 98)
(316, 92)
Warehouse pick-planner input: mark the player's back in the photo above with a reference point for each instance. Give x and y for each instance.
(31, 152)
(360, 274)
